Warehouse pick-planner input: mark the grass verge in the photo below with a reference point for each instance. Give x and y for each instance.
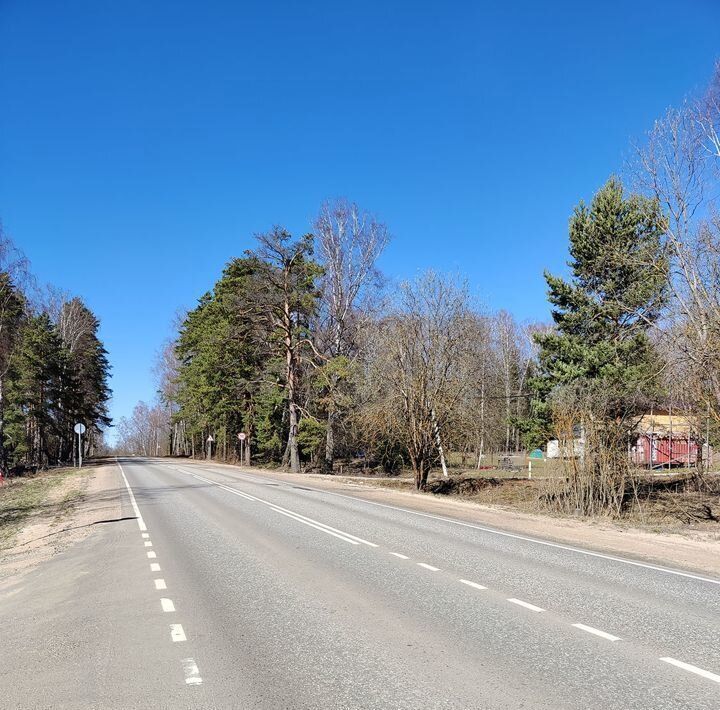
(24, 496)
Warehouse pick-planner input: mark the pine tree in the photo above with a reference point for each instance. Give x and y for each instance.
(600, 346)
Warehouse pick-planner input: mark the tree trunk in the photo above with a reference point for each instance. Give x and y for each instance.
(330, 440)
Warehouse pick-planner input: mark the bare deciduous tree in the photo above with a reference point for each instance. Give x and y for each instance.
(349, 242)
(417, 367)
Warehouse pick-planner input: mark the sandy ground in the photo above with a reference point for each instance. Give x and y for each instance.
(692, 550)
(47, 534)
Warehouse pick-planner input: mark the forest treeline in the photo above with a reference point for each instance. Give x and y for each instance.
(53, 371)
(302, 346)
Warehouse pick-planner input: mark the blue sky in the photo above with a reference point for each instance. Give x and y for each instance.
(142, 144)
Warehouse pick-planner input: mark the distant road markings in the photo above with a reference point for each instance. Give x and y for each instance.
(148, 543)
(192, 674)
(140, 521)
(474, 585)
(427, 566)
(167, 605)
(402, 557)
(146, 535)
(692, 669)
(304, 519)
(154, 567)
(151, 555)
(569, 548)
(527, 605)
(177, 633)
(160, 584)
(597, 632)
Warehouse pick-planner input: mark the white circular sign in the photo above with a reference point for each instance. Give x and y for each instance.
(79, 428)
(242, 436)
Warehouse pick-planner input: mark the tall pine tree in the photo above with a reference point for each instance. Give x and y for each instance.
(603, 313)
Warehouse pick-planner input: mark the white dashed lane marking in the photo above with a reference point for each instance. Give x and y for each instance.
(160, 584)
(692, 669)
(192, 674)
(474, 585)
(177, 633)
(402, 557)
(148, 543)
(167, 605)
(146, 535)
(427, 566)
(597, 632)
(527, 605)
(154, 567)
(151, 555)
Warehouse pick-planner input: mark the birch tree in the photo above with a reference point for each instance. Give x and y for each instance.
(349, 242)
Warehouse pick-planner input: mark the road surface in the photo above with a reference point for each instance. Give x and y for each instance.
(217, 588)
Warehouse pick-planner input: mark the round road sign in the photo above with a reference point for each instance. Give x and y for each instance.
(79, 428)
(242, 436)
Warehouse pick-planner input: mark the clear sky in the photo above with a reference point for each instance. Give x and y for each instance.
(142, 144)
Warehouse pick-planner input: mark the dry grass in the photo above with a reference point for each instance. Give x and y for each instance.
(24, 496)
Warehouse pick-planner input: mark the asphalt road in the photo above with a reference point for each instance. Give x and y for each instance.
(221, 589)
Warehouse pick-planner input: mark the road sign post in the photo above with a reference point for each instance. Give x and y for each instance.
(79, 429)
(210, 441)
(242, 436)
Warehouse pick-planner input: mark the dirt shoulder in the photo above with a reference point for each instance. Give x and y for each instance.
(43, 515)
(689, 549)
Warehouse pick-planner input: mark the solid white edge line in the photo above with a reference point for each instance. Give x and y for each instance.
(140, 521)
(424, 565)
(597, 632)
(692, 669)
(474, 585)
(402, 557)
(502, 533)
(177, 633)
(154, 567)
(167, 605)
(192, 673)
(160, 584)
(527, 605)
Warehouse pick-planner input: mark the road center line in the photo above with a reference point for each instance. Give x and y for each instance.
(154, 567)
(474, 585)
(160, 584)
(323, 527)
(317, 527)
(597, 632)
(148, 543)
(151, 555)
(146, 535)
(692, 669)
(527, 605)
(402, 557)
(167, 605)
(177, 633)
(427, 566)
(140, 521)
(494, 531)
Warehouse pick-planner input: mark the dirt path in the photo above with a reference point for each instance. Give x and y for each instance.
(692, 550)
(64, 516)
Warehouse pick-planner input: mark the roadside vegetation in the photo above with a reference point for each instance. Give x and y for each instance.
(303, 356)
(53, 371)
(25, 496)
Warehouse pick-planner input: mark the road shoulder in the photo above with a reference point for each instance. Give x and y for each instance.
(64, 515)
